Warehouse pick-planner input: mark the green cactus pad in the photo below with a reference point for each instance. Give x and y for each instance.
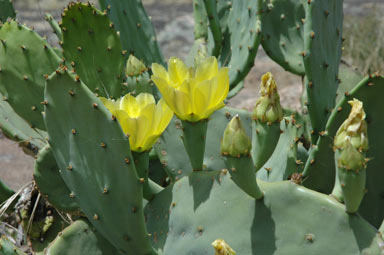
(54, 25)
(320, 167)
(78, 239)
(140, 84)
(5, 192)
(6, 10)
(211, 7)
(92, 46)
(8, 248)
(17, 129)
(25, 61)
(170, 148)
(322, 51)
(50, 183)
(241, 38)
(189, 215)
(156, 171)
(201, 20)
(136, 31)
(282, 29)
(284, 159)
(90, 147)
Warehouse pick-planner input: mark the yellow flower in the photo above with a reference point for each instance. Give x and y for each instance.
(140, 118)
(193, 94)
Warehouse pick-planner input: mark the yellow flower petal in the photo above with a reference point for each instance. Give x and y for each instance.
(109, 104)
(160, 71)
(202, 96)
(223, 84)
(182, 104)
(207, 69)
(144, 99)
(178, 71)
(149, 142)
(142, 128)
(121, 117)
(130, 105)
(163, 116)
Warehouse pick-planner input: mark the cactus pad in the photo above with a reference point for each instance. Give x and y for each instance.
(321, 171)
(50, 183)
(171, 151)
(17, 129)
(284, 160)
(6, 10)
(182, 220)
(111, 178)
(244, 29)
(78, 239)
(135, 28)
(322, 53)
(8, 248)
(25, 62)
(93, 48)
(282, 29)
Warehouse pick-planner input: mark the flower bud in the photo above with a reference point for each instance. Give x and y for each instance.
(222, 248)
(354, 128)
(351, 174)
(268, 107)
(134, 66)
(350, 158)
(235, 142)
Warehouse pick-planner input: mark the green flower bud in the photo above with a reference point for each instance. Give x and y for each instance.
(235, 142)
(351, 175)
(354, 128)
(350, 158)
(268, 107)
(134, 66)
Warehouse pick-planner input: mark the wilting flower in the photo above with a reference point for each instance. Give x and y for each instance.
(140, 118)
(193, 94)
(268, 108)
(354, 128)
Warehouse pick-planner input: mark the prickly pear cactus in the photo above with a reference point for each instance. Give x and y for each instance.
(115, 173)
(6, 10)
(282, 29)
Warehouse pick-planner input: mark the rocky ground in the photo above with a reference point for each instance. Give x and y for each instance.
(173, 23)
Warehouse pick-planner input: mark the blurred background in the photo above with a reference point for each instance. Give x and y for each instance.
(173, 22)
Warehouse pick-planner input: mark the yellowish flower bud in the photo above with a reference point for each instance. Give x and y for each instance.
(222, 248)
(134, 66)
(268, 107)
(235, 142)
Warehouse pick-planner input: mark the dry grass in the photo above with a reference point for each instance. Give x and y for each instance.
(364, 41)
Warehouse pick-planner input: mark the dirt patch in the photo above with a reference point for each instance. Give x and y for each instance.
(16, 168)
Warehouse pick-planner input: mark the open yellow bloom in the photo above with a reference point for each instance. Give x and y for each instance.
(140, 118)
(193, 94)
